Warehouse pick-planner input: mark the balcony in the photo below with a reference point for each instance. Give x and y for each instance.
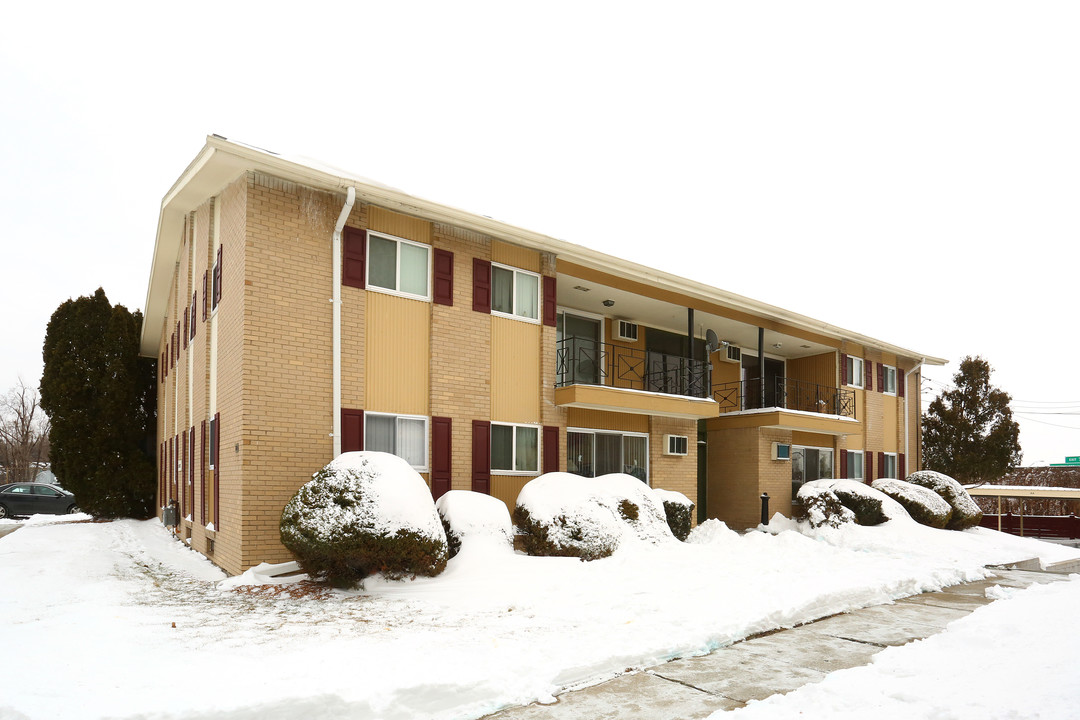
(787, 403)
(604, 376)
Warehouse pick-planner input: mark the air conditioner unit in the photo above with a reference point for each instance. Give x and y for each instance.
(676, 444)
(628, 331)
(734, 353)
(781, 451)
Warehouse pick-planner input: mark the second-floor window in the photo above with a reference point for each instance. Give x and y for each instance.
(854, 371)
(888, 379)
(515, 293)
(398, 266)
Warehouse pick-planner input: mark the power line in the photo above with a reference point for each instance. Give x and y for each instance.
(1043, 422)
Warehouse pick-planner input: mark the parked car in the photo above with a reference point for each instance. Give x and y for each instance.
(35, 498)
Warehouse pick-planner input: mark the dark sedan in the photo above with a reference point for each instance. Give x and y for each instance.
(35, 498)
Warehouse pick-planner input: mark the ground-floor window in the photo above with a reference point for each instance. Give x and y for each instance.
(515, 448)
(592, 453)
(401, 435)
(889, 470)
(809, 463)
(855, 464)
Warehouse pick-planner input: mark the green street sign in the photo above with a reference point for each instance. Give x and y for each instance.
(1072, 460)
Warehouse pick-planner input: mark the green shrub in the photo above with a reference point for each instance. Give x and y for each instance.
(965, 513)
(679, 514)
(335, 527)
(563, 538)
(820, 506)
(867, 508)
(923, 504)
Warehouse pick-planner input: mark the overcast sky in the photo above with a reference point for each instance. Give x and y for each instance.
(909, 170)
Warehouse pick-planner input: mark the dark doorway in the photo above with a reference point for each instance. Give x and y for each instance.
(774, 371)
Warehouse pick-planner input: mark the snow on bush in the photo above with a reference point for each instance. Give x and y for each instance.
(821, 507)
(365, 512)
(871, 507)
(679, 511)
(713, 532)
(568, 515)
(923, 504)
(468, 515)
(965, 513)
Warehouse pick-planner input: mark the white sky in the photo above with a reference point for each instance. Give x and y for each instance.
(909, 171)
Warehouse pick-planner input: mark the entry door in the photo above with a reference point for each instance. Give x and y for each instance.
(580, 349)
(774, 371)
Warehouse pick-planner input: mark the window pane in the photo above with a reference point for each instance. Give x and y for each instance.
(414, 269)
(608, 454)
(528, 296)
(382, 262)
(824, 464)
(579, 453)
(502, 290)
(636, 457)
(379, 433)
(411, 445)
(527, 447)
(855, 466)
(502, 447)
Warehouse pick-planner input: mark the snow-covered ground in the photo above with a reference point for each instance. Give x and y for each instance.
(121, 620)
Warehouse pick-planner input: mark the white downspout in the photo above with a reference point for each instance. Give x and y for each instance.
(350, 199)
(907, 407)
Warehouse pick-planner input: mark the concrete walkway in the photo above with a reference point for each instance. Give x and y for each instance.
(776, 662)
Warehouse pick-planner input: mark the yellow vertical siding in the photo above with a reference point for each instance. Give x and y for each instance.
(398, 225)
(515, 371)
(515, 256)
(397, 354)
(816, 369)
(601, 420)
(506, 488)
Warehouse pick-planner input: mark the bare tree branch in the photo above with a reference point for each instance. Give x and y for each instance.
(24, 433)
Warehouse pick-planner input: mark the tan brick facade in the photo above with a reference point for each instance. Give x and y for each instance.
(263, 362)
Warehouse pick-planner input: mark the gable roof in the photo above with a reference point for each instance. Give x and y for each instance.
(221, 161)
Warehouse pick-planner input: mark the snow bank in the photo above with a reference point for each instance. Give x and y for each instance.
(471, 516)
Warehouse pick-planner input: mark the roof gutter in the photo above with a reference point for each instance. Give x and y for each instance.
(907, 407)
(335, 242)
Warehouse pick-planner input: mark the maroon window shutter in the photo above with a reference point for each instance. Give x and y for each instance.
(901, 469)
(899, 382)
(352, 430)
(162, 368)
(443, 288)
(204, 296)
(844, 464)
(161, 474)
(481, 456)
(551, 447)
(202, 471)
(441, 451)
(881, 464)
(481, 290)
(218, 275)
(868, 368)
(183, 474)
(550, 303)
(194, 315)
(354, 258)
(868, 466)
(843, 370)
(881, 377)
(185, 333)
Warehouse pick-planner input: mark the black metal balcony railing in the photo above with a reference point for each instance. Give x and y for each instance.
(583, 361)
(785, 393)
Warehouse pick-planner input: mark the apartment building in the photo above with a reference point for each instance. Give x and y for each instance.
(298, 312)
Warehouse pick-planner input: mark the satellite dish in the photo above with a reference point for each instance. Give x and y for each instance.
(711, 340)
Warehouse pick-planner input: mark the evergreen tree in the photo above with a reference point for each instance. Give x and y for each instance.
(99, 395)
(969, 431)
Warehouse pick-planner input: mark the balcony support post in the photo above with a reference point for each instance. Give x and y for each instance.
(761, 364)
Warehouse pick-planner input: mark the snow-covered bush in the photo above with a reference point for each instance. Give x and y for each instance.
(365, 512)
(569, 515)
(922, 504)
(871, 507)
(467, 515)
(965, 513)
(679, 512)
(821, 507)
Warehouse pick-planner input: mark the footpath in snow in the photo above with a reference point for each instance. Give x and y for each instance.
(128, 622)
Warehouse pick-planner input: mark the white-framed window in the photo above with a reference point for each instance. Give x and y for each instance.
(855, 465)
(592, 453)
(888, 376)
(398, 266)
(809, 463)
(854, 371)
(890, 466)
(515, 293)
(403, 435)
(676, 444)
(515, 449)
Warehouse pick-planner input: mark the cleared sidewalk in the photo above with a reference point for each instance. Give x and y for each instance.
(776, 662)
